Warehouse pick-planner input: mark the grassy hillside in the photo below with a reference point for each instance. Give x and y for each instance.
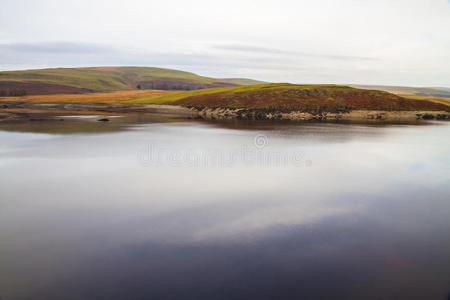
(104, 79)
(298, 97)
(403, 90)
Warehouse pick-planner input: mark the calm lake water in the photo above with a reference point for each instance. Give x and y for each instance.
(152, 208)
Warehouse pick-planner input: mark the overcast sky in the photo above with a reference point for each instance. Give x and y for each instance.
(395, 42)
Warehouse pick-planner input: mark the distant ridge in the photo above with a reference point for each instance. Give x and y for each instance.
(403, 90)
(105, 79)
(243, 81)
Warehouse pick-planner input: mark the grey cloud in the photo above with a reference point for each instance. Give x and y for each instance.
(265, 50)
(53, 54)
(249, 48)
(54, 47)
(344, 57)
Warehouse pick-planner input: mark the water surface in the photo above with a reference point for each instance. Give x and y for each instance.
(147, 208)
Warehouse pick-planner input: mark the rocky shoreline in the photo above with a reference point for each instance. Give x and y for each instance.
(350, 115)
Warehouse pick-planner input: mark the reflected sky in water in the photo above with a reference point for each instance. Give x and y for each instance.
(196, 210)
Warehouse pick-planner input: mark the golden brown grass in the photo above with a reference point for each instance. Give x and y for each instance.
(106, 98)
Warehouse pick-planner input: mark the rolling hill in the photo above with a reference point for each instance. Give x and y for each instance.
(295, 97)
(105, 79)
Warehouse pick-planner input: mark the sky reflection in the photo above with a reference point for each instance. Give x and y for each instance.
(82, 217)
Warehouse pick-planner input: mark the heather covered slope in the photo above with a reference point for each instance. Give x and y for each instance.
(300, 97)
(103, 79)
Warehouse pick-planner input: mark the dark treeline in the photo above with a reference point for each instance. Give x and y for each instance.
(166, 86)
(179, 85)
(13, 93)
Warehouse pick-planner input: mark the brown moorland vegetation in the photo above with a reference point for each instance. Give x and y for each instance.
(443, 100)
(330, 98)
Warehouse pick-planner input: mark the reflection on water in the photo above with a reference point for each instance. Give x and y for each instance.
(83, 217)
(85, 124)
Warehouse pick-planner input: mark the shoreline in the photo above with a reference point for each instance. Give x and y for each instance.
(20, 111)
